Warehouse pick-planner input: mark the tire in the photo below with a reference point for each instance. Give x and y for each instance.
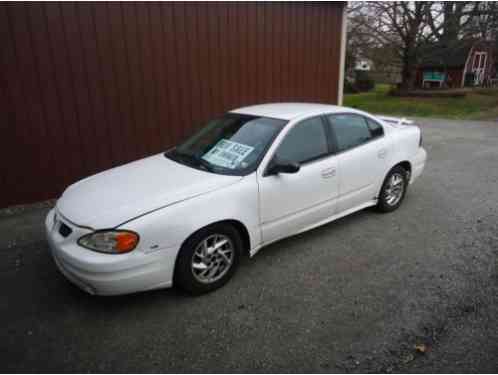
(390, 200)
(195, 264)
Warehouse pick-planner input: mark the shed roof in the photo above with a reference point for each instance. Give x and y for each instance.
(441, 56)
(438, 55)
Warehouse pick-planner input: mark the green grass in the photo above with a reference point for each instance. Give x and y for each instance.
(480, 104)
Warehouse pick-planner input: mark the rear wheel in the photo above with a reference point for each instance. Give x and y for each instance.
(393, 189)
(208, 259)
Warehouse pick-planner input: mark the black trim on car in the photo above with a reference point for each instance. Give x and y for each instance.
(331, 138)
(374, 138)
(330, 150)
(169, 154)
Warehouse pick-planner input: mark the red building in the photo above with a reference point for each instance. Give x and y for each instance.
(469, 63)
(88, 86)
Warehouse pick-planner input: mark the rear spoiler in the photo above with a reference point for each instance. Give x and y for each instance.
(395, 120)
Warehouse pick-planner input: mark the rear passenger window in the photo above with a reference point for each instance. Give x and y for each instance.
(304, 142)
(350, 130)
(375, 128)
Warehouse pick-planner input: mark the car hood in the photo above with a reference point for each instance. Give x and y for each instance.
(112, 197)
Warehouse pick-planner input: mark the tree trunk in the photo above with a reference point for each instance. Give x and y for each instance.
(409, 69)
(451, 23)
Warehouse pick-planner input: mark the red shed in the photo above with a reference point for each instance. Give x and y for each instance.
(468, 63)
(88, 86)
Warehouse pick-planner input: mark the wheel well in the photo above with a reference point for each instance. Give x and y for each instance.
(406, 166)
(244, 233)
(241, 228)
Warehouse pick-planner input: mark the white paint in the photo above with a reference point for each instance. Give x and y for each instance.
(290, 202)
(119, 194)
(287, 111)
(165, 202)
(479, 67)
(466, 66)
(363, 65)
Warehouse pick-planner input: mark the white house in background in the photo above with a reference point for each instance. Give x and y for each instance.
(363, 64)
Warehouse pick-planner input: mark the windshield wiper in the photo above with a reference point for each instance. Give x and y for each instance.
(194, 160)
(205, 164)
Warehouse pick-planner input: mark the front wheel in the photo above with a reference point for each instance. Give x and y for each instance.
(393, 190)
(208, 259)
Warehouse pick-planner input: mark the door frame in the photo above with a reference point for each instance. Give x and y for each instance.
(308, 215)
(481, 57)
(333, 138)
(332, 142)
(261, 170)
(343, 153)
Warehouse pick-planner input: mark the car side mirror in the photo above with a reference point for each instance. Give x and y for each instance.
(282, 166)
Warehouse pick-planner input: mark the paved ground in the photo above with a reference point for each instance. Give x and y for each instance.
(353, 296)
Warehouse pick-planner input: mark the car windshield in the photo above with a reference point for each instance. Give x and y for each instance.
(233, 144)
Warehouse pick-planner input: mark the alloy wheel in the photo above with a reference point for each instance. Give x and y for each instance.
(212, 258)
(395, 189)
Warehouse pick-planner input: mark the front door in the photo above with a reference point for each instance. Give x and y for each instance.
(290, 203)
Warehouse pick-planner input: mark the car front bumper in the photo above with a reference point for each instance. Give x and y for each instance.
(107, 274)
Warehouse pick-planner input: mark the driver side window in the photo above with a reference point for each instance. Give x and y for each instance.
(305, 142)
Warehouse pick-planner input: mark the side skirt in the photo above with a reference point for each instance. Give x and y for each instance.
(313, 226)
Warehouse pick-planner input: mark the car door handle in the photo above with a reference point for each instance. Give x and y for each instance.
(382, 153)
(329, 172)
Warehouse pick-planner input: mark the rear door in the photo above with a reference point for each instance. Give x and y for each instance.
(362, 155)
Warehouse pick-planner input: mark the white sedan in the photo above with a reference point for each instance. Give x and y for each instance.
(254, 176)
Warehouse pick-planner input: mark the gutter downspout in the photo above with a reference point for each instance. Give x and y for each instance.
(342, 59)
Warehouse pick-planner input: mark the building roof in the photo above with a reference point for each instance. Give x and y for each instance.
(288, 111)
(454, 56)
(440, 56)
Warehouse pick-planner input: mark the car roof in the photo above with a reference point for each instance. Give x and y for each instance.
(290, 111)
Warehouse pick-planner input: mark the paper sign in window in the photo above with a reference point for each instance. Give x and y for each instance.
(228, 154)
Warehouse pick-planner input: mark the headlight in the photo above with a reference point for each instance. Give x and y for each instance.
(110, 241)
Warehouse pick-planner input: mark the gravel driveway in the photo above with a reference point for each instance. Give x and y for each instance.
(356, 295)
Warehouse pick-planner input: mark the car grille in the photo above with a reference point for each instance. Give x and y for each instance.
(64, 230)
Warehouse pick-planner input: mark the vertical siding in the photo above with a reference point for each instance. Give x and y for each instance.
(87, 86)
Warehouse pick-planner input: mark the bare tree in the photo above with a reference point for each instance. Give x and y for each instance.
(408, 28)
(357, 41)
(484, 23)
(448, 19)
(363, 42)
(401, 25)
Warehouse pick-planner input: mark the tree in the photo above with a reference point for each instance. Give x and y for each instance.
(357, 40)
(484, 24)
(400, 25)
(451, 21)
(408, 28)
(448, 19)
